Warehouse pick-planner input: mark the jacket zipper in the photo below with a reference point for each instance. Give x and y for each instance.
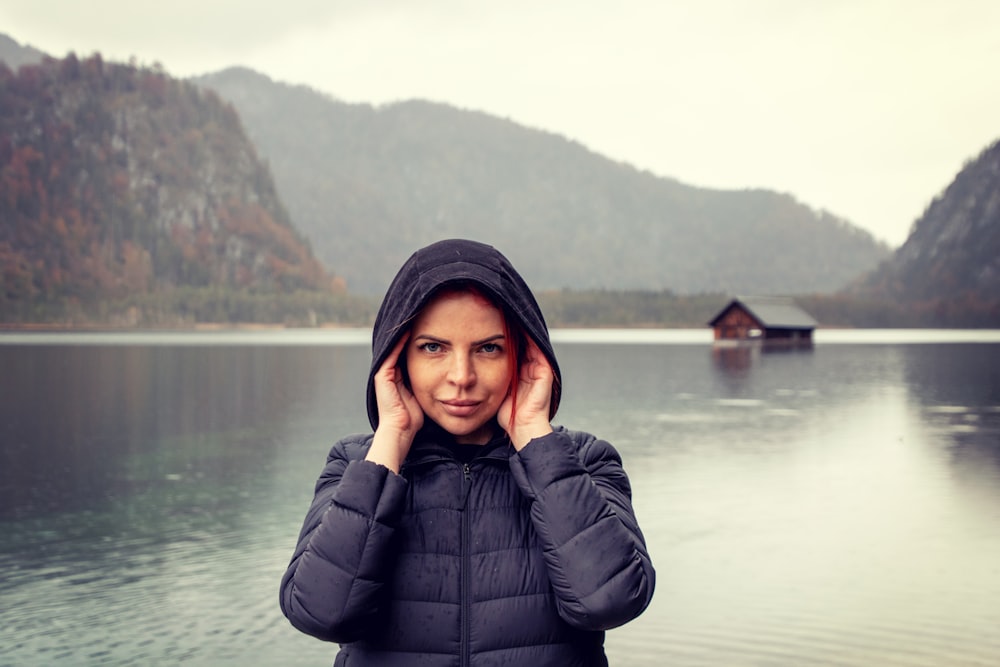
(466, 566)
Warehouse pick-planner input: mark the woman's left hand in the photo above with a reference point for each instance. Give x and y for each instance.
(534, 396)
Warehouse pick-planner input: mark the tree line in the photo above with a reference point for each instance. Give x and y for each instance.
(188, 306)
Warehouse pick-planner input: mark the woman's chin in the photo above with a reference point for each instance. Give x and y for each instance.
(466, 433)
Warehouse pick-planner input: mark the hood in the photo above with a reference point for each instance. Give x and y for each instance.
(443, 263)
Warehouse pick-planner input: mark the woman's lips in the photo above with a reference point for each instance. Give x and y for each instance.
(460, 408)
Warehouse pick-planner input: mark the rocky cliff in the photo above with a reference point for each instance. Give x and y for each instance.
(950, 263)
(117, 180)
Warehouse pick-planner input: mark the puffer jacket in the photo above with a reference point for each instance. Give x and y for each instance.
(512, 559)
(515, 558)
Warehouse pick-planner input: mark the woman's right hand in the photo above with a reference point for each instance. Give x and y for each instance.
(399, 414)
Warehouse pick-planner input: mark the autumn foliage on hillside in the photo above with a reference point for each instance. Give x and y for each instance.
(117, 181)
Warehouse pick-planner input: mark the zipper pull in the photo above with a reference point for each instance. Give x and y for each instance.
(467, 470)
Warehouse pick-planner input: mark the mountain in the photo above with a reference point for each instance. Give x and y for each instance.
(15, 55)
(950, 263)
(117, 181)
(368, 185)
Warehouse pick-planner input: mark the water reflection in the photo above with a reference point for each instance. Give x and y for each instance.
(958, 391)
(811, 509)
(838, 505)
(146, 503)
(736, 359)
(109, 422)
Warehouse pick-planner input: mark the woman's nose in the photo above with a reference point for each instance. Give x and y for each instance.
(462, 372)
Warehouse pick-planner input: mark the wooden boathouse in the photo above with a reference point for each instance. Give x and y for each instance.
(767, 319)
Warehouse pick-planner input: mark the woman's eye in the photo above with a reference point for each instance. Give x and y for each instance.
(490, 348)
(431, 347)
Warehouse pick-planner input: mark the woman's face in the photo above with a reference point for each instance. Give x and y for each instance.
(457, 363)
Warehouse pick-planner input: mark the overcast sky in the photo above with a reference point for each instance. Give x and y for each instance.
(865, 108)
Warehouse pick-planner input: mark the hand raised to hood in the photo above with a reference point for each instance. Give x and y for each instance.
(534, 397)
(399, 414)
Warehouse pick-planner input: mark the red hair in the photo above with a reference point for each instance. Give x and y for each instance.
(515, 354)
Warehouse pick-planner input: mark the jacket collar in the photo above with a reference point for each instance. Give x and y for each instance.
(434, 444)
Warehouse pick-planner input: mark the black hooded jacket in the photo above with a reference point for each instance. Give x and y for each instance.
(514, 558)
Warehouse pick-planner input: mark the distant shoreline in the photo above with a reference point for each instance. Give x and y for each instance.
(46, 327)
(205, 327)
(282, 335)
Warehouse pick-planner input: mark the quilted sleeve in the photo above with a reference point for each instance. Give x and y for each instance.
(332, 586)
(581, 506)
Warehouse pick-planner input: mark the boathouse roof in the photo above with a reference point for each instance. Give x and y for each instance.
(773, 312)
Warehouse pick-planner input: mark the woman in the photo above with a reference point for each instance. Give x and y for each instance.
(466, 530)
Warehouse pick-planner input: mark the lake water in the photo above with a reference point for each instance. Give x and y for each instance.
(832, 506)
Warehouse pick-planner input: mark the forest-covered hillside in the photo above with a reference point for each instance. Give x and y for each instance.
(128, 197)
(371, 184)
(118, 181)
(948, 269)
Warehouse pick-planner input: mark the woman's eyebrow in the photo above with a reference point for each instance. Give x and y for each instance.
(444, 341)
(490, 339)
(431, 338)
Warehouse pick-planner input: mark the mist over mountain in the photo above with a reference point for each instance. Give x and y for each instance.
(368, 185)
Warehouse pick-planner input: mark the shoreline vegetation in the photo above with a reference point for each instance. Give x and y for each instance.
(211, 308)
